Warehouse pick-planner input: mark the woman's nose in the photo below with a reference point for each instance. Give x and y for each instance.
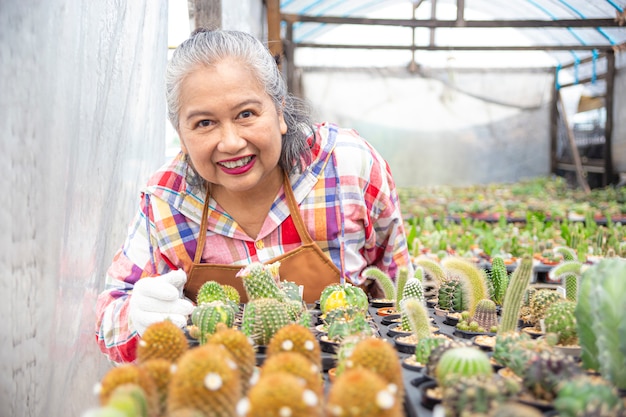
(230, 140)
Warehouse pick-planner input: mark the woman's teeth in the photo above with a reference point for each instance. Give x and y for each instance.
(236, 164)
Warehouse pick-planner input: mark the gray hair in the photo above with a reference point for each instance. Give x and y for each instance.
(207, 48)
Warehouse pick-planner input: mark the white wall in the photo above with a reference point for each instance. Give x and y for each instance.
(82, 124)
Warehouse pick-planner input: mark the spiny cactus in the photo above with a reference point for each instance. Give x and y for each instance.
(208, 315)
(541, 301)
(383, 279)
(381, 357)
(130, 399)
(477, 395)
(164, 340)
(129, 373)
(569, 273)
(280, 394)
(437, 352)
(515, 349)
(462, 362)
(499, 279)
(211, 291)
(432, 268)
(298, 365)
(566, 252)
(560, 319)
(585, 396)
(341, 295)
(241, 349)
(346, 321)
(206, 379)
(296, 338)
(401, 279)
(262, 318)
(160, 370)
(601, 320)
(232, 294)
(515, 409)
(545, 370)
(417, 316)
(452, 295)
(486, 315)
(514, 295)
(413, 290)
(361, 392)
(261, 281)
(426, 345)
(472, 276)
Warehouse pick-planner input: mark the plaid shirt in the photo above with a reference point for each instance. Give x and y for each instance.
(347, 199)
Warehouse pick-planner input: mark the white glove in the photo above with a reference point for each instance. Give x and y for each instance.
(159, 298)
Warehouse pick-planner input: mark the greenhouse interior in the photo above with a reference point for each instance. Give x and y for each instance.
(503, 125)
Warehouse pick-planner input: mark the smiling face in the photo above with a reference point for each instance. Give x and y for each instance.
(230, 127)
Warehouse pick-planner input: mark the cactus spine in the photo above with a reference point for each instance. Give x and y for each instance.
(514, 295)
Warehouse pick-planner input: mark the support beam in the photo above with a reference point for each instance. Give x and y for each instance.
(580, 174)
(274, 42)
(457, 48)
(609, 174)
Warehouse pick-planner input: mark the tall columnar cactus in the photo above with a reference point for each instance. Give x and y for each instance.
(569, 273)
(381, 357)
(262, 318)
(452, 295)
(261, 281)
(601, 319)
(401, 280)
(514, 295)
(208, 315)
(242, 351)
(361, 392)
(413, 290)
(568, 253)
(383, 279)
(296, 338)
(462, 362)
(164, 340)
(472, 276)
(281, 394)
(417, 316)
(499, 278)
(206, 379)
(584, 396)
(486, 315)
(560, 319)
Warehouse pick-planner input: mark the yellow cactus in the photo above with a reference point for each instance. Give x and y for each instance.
(162, 340)
(296, 338)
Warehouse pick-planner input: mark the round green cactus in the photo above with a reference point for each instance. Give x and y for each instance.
(560, 319)
(262, 318)
(211, 291)
(585, 396)
(462, 362)
(261, 281)
(542, 299)
(485, 315)
(344, 322)
(426, 345)
(452, 296)
(341, 295)
(207, 316)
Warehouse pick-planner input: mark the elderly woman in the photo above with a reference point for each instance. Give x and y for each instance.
(255, 181)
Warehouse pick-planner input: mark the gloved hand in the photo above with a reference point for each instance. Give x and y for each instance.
(159, 298)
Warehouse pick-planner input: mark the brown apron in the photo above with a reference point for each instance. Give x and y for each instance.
(306, 265)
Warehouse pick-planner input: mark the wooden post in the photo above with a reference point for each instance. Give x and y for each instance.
(554, 123)
(609, 176)
(580, 175)
(274, 43)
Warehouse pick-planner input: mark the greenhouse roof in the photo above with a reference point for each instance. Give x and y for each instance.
(566, 31)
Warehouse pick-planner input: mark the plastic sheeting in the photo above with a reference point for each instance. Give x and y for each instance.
(83, 120)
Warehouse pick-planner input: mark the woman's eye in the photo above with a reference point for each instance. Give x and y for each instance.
(204, 123)
(245, 114)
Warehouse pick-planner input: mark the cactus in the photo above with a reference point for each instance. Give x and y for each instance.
(341, 295)
(566, 252)
(211, 291)
(499, 279)
(262, 318)
(514, 350)
(297, 365)
(515, 409)
(162, 340)
(601, 320)
(437, 352)
(560, 319)
(567, 272)
(130, 399)
(452, 295)
(383, 279)
(477, 394)
(281, 394)
(232, 294)
(261, 281)
(343, 322)
(544, 371)
(472, 276)
(129, 373)
(241, 349)
(462, 362)
(401, 280)
(378, 356)
(296, 338)
(426, 345)
(485, 315)
(514, 295)
(413, 290)
(432, 269)
(360, 392)
(541, 301)
(160, 370)
(206, 379)
(585, 396)
(208, 315)
(417, 316)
